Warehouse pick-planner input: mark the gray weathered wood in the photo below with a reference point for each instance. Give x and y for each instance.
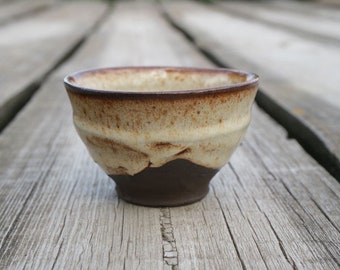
(16, 9)
(326, 30)
(311, 8)
(271, 207)
(329, 2)
(299, 77)
(30, 48)
(124, 235)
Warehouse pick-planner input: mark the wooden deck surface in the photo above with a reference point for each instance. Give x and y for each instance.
(275, 205)
(295, 55)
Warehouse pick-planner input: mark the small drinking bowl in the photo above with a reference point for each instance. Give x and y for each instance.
(161, 133)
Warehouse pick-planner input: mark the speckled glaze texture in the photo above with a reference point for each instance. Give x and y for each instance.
(132, 119)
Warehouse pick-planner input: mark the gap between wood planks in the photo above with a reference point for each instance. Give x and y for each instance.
(296, 129)
(16, 103)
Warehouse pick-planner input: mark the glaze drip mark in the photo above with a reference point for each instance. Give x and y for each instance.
(170, 255)
(163, 144)
(121, 170)
(114, 146)
(185, 151)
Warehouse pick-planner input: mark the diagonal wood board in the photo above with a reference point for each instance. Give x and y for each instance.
(299, 76)
(17, 9)
(33, 46)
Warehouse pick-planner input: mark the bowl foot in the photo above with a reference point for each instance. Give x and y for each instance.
(176, 183)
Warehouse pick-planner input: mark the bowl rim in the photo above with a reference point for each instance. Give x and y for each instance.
(251, 81)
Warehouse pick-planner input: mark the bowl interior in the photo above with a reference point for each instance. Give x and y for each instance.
(156, 79)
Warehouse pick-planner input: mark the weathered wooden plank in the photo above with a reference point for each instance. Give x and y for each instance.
(124, 235)
(329, 2)
(324, 30)
(32, 47)
(59, 210)
(269, 200)
(299, 77)
(291, 175)
(312, 8)
(14, 10)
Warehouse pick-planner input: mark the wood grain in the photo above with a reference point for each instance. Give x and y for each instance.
(325, 30)
(122, 231)
(298, 76)
(317, 8)
(272, 206)
(14, 10)
(30, 48)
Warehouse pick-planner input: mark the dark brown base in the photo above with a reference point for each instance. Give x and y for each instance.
(176, 183)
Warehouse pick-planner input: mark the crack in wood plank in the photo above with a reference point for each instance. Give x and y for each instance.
(308, 230)
(325, 214)
(287, 257)
(61, 244)
(229, 230)
(292, 263)
(170, 254)
(58, 253)
(258, 248)
(238, 204)
(311, 217)
(40, 181)
(3, 244)
(236, 175)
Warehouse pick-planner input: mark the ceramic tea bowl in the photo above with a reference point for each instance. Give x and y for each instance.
(161, 133)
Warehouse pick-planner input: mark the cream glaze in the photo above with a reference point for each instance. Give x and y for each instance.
(127, 133)
(155, 80)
